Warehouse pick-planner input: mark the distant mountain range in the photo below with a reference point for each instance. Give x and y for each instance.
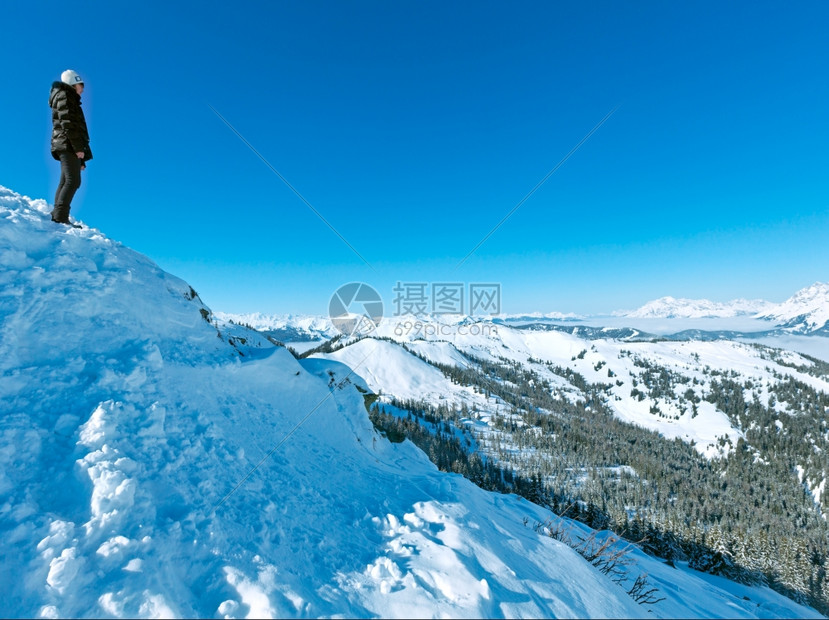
(285, 327)
(806, 312)
(672, 308)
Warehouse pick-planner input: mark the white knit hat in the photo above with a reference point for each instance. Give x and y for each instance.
(71, 77)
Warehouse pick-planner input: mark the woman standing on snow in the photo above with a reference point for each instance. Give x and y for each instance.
(70, 140)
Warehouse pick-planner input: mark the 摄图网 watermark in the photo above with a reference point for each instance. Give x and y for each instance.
(357, 308)
(447, 298)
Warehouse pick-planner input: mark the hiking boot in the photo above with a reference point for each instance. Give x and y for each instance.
(67, 223)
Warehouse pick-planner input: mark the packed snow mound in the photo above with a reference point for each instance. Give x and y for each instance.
(73, 294)
(804, 312)
(671, 308)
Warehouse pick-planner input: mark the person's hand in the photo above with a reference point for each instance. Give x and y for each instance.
(79, 154)
(83, 166)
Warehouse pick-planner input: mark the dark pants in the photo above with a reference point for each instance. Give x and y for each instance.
(70, 181)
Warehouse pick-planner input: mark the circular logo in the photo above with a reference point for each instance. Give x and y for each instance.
(355, 309)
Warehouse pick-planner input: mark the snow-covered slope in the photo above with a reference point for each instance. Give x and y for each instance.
(671, 308)
(396, 372)
(130, 429)
(154, 465)
(804, 312)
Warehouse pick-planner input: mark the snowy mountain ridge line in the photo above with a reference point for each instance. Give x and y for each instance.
(561, 316)
(670, 307)
(394, 371)
(312, 326)
(141, 417)
(805, 311)
(261, 321)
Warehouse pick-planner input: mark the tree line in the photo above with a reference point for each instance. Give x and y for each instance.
(745, 515)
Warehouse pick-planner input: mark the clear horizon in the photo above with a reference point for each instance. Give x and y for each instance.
(411, 130)
(564, 314)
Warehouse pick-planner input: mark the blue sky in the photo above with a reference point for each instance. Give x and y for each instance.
(414, 127)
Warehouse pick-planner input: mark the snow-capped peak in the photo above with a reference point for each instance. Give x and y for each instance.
(805, 311)
(682, 308)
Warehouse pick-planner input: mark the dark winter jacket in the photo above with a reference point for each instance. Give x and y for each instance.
(69, 133)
